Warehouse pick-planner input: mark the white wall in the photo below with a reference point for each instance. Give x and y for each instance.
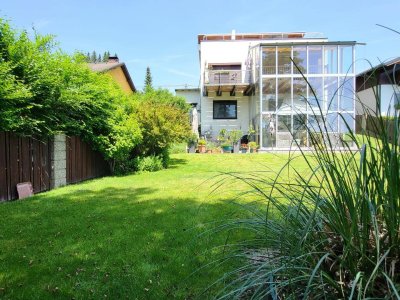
(209, 124)
(191, 95)
(367, 99)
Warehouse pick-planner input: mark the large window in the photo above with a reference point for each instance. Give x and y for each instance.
(225, 109)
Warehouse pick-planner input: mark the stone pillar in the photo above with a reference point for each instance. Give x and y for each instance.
(59, 161)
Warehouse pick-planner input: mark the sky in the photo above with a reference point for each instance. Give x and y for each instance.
(163, 34)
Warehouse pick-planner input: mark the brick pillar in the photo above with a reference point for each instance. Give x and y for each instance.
(59, 161)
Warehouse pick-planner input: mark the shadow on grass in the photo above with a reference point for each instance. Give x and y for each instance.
(119, 242)
(175, 163)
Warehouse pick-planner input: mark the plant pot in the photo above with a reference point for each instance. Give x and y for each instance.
(243, 150)
(253, 150)
(209, 151)
(202, 148)
(227, 149)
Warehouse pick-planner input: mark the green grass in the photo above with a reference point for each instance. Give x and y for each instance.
(139, 236)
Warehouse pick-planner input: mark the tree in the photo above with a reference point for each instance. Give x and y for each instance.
(93, 58)
(106, 55)
(148, 81)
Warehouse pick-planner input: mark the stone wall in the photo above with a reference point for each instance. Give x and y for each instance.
(59, 161)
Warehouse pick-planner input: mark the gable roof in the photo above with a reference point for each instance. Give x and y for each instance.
(385, 73)
(108, 66)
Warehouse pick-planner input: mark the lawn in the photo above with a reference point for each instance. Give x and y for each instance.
(140, 236)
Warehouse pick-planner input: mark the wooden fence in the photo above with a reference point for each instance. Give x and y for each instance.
(28, 159)
(23, 159)
(82, 162)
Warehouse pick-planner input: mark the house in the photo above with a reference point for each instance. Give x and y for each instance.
(192, 96)
(118, 71)
(382, 82)
(250, 79)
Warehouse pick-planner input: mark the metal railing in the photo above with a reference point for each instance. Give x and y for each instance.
(227, 77)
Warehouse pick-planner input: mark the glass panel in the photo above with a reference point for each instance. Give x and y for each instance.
(332, 122)
(300, 129)
(300, 59)
(346, 59)
(269, 60)
(269, 96)
(331, 61)
(315, 60)
(346, 92)
(268, 131)
(331, 92)
(284, 123)
(315, 94)
(283, 134)
(299, 94)
(315, 123)
(284, 95)
(345, 121)
(284, 62)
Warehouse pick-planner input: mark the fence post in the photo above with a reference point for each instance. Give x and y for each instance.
(59, 161)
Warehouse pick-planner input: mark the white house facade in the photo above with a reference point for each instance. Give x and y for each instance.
(276, 83)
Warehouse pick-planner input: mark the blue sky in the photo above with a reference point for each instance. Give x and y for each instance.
(163, 34)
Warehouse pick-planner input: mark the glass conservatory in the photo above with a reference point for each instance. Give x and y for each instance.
(299, 86)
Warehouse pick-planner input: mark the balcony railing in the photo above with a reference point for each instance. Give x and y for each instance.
(227, 77)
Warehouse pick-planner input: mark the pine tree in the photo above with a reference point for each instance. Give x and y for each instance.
(93, 58)
(99, 58)
(148, 81)
(106, 55)
(88, 57)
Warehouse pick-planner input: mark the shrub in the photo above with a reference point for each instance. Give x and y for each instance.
(149, 163)
(162, 122)
(46, 91)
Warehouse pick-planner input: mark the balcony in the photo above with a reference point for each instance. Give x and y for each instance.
(232, 81)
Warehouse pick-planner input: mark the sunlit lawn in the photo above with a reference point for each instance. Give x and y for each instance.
(139, 236)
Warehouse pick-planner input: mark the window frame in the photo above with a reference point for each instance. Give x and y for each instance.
(225, 102)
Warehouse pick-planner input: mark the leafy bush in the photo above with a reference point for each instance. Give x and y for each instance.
(148, 163)
(45, 91)
(163, 122)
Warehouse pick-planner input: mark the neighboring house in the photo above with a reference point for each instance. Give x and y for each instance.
(249, 79)
(192, 96)
(382, 82)
(118, 71)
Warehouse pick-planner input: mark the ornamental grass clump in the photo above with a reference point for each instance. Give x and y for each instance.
(331, 231)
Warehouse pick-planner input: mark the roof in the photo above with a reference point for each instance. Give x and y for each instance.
(384, 73)
(108, 66)
(258, 36)
(382, 66)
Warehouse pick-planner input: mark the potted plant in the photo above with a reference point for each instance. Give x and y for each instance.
(243, 148)
(235, 136)
(253, 147)
(210, 147)
(201, 145)
(227, 147)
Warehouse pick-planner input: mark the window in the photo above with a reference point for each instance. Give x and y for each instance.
(225, 109)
